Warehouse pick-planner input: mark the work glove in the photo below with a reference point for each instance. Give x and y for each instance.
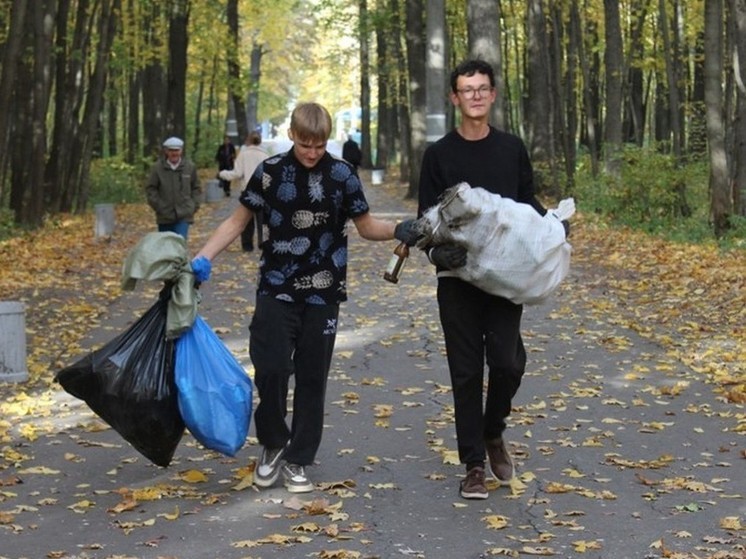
(449, 256)
(407, 232)
(201, 267)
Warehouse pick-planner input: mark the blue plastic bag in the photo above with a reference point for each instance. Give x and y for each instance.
(214, 392)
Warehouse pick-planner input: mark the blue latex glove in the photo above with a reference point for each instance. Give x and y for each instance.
(201, 267)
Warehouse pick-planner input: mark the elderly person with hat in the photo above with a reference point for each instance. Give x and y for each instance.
(173, 189)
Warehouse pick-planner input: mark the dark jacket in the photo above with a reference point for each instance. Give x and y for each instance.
(351, 152)
(174, 194)
(226, 156)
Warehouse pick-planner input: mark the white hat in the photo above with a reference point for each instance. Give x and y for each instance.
(173, 143)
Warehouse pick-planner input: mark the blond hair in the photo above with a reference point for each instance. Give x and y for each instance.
(310, 122)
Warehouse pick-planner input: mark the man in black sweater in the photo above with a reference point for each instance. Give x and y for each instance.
(477, 325)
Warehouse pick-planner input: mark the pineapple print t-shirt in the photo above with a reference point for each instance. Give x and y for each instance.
(304, 259)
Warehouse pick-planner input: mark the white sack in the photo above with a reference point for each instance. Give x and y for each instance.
(512, 251)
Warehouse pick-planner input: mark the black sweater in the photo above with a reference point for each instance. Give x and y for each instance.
(498, 163)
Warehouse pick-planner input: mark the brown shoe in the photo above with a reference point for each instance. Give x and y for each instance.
(500, 463)
(472, 486)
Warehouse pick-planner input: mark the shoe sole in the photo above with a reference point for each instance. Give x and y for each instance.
(266, 481)
(497, 479)
(474, 496)
(299, 488)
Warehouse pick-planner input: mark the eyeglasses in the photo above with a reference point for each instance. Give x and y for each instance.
(470, 92)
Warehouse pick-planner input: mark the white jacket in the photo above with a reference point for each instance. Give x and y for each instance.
(246, 163)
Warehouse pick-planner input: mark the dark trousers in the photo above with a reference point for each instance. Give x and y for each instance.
(286, 340)
(477, 325)
(247, 235)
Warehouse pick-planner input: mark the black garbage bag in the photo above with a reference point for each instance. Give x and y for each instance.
(129, 383)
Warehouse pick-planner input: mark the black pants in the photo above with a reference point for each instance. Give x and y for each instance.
(288, 339)
(247, 235)
(224, 184)
(477, 325)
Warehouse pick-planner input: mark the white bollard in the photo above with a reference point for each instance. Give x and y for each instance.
(104, 226)
(377, 175)
(12, 342)
(213, 191)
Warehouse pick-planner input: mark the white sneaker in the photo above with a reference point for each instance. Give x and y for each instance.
(296, 479)
(268, 470)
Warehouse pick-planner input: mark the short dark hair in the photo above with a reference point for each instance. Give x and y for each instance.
(471, 67)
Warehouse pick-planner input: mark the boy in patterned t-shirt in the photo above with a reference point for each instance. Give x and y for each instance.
(305, 197)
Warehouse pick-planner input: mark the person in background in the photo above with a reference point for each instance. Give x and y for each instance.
(477, 325)
(351, 152)
(173, 189)
(226, 157)
(308, 196)
(248, 160)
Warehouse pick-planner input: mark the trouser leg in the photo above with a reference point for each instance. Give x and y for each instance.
(476, 326)
(506, 363)
(178, 227)
(460, 314)
(313, 357)
(288, 339)
(271, 342)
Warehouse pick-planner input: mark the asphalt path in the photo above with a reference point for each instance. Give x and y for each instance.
(621, 451)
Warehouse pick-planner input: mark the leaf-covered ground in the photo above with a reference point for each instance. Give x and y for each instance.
(588, 454)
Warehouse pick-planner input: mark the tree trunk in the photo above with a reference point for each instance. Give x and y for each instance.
(738, 165)
(363, 32)
(112, 125)
(538, 114)
(236, 110)
(94, 101)
(720, 203)
(416, 56)
(252, 99)
(71, 53)
(485, 42)
(178, 40)
(613, 60)
(384, 134)
(698, 126)
(589, 112)
(402, 104)
(563, 99)
(672, 60)
(435, 89)
(153, 85)
(134, 88)
(10, 55)
(33, 93)
(634, 109)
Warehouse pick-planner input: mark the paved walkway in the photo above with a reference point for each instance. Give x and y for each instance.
(621, 451)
